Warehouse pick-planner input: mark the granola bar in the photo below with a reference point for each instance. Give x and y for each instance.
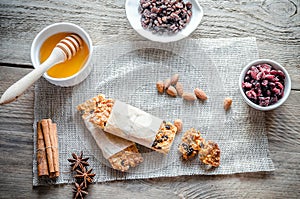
(210, 153)
(99, 109)
(164, 137)
(129, 157)
(95, 114)
(193, 143)
(190, 144)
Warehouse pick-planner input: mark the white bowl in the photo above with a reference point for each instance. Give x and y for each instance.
(134, 17)
(287, 87)
(54, 29)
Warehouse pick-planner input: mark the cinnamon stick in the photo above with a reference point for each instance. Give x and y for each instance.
(54, 144)
(46, 133)
(42, 165)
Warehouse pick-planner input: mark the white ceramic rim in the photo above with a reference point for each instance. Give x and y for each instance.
(88, 42)
(287, 87)
(133, 16)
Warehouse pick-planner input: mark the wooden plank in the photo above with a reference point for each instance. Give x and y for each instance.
(16, 146)
(275, 24)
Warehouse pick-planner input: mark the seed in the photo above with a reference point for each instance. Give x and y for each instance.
(172, 91)
(167, 83)
(189, 96)
(179, 88)
(227, 103)
(174, 79)
(200, 94)
(160, 86)
(178, 124)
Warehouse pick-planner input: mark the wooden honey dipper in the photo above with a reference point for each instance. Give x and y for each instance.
(64, 50)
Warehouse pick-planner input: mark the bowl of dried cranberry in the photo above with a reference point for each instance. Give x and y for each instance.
(264, 84)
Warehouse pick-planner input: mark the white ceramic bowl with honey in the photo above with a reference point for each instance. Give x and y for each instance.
(70, 72)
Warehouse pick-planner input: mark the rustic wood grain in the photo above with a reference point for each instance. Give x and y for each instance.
(275, 24)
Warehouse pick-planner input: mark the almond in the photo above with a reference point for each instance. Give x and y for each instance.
(160, 86)
(167, 83)
(179, 88)
(227, 103)
(174, 79)
(172, 91)
(178, 124)
(189, 96)
(200, 94)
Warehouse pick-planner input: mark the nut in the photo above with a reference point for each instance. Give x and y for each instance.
(167, 83)
(179, 88)
(160, 86)
(178, 124)
(172, 91)
(174, 79)
(189, 96)
(200, 94)
(227, 103)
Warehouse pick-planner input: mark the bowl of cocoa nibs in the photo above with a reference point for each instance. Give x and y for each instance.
(164, 20)
(264, 84)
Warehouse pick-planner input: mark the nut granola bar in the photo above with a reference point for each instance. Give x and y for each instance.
(210, 153)
(99, 109)
(164, 137)
(129, 157)
(191, 144)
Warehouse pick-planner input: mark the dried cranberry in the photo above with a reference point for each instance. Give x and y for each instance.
(279, 85)
(273, 72)
(261, 75)
(247, 78)
(276, 91)
(263, 84)
(270, 78)
(246, 85)
(251, 94)
(254, 74)
(264, 101)
(266, 67)
(281, 74)
(272, 85)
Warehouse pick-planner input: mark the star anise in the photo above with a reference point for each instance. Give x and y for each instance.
(79, 190)
(78, 161)
(86, 175)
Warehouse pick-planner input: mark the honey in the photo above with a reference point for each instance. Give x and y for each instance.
(69, 67)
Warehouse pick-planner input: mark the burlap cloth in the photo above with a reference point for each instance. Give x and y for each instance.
(128, 71)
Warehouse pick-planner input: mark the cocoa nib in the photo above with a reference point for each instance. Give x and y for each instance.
(263, 84)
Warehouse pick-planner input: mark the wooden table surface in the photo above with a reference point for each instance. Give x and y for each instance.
(275, 24)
